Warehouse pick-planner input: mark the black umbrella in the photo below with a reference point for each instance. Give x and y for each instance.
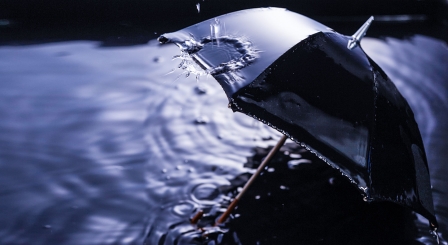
(320, 89)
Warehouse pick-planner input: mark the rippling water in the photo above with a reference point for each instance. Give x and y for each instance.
(100, 146)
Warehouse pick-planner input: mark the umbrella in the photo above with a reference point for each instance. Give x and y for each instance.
(321, 90)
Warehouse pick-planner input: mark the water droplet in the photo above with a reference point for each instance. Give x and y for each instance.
(257, 197)
(293, 155)
(266, 138)
(202, 120)
(201, 89)
(294, 164)
(157, 59)
(271, 170)
(331, 181)
(282, 187)
(198, 7)
(162, 39)
(215, 30)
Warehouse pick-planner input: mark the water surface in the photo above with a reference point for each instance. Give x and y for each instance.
(100, 146)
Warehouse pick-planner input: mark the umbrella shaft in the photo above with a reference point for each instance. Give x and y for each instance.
(260, 168)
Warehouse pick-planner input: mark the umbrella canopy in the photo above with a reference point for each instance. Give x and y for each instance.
(319, 88)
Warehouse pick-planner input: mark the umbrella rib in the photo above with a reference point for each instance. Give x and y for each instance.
(260, 168)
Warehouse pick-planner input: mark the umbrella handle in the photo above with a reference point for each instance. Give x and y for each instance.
(260, 168)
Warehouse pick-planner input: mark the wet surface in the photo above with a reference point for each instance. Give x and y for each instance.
(99, 146)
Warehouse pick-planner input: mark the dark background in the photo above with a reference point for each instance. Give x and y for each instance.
(127, 22)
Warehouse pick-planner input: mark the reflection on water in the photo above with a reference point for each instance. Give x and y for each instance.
(99, 146)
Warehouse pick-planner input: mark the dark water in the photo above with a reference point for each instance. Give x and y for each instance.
(99, 146)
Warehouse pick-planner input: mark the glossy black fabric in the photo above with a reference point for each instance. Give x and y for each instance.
(344, 108)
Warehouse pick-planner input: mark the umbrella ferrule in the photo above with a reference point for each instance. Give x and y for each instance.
(359, 34)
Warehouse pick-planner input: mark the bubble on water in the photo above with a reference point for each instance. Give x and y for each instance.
(294, 164)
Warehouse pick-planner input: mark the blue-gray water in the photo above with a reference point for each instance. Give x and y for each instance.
(99, 146)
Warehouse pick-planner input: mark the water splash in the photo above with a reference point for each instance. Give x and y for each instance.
(218, 54)
(215, 30)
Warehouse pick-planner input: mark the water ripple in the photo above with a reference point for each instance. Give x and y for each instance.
(100, 146)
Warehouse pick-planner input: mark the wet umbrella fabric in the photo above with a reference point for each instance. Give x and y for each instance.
(299, 77)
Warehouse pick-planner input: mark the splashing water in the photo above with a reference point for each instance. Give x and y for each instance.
(216, 54)
(215, 30)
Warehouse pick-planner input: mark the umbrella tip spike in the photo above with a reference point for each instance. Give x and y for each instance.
(359, 34)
